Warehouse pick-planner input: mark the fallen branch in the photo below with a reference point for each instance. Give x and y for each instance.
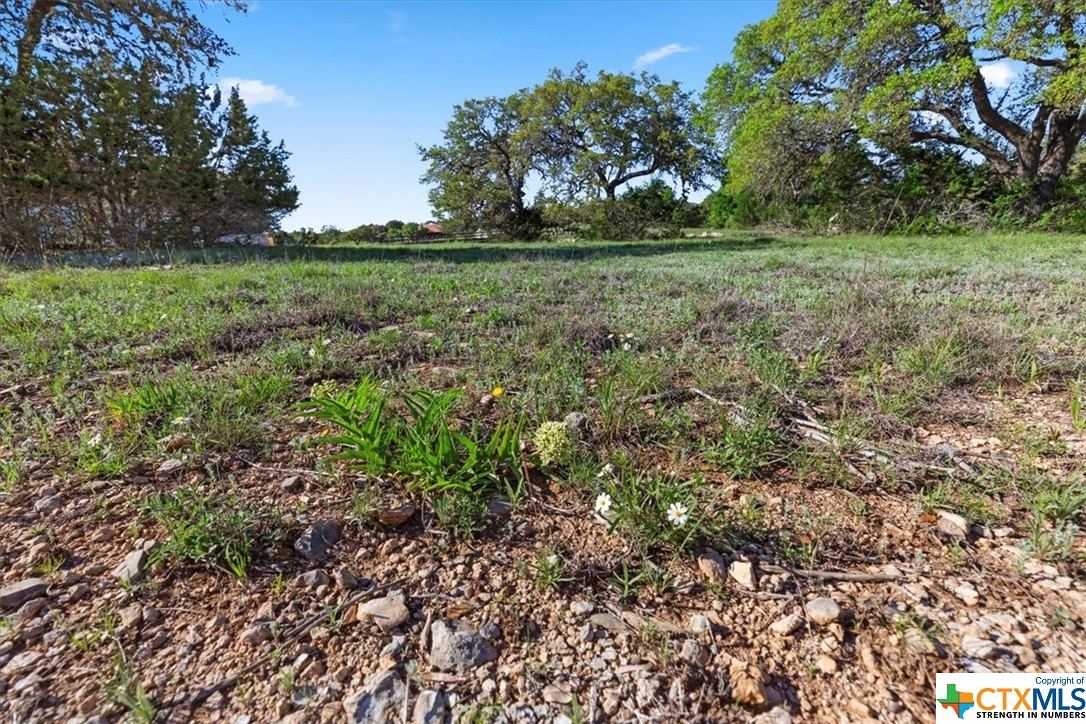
(682, 393)
(834, 575)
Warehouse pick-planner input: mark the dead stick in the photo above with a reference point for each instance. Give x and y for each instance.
(834, 575)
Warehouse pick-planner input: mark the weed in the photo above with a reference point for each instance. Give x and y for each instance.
(461, 513)
(626, 582)
(1061, 618)
(549, 570)
(1053, 543)
(357, 412)
(744, 451)
(1026, 369)
(654, 510)
(364, 503)
(10, 473)
(51, 564)
(288, 680)
(555, 444)
(210, 529)
(335, 620)
(127, 691)
(426, 449)
(1059, 501)
(1078, 406)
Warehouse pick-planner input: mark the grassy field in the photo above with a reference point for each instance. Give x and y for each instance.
(816, 401)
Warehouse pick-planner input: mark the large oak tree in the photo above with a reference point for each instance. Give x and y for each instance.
(894, 73)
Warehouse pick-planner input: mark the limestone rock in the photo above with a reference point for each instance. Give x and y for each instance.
(16, 594)
(456, 647)
(823, 611)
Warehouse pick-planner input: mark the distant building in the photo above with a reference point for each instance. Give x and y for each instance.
(431, 229)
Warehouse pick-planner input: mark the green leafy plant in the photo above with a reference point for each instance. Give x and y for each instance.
(435, 456)
(653, 510)
(426, 449)
(127, 691)
(1060, 501)
(626, 582)
(357, 412)
(549, 570)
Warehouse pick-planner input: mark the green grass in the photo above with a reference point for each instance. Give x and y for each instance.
(207, 527)
(119, 369)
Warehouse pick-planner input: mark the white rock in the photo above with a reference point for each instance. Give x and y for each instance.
(742, 572)
(699, 624)
(967, 594)
(826, 664)
(388, 612)
(953, 524)
(823, 611)
(977, 648)
(787, 625)
(581, 608)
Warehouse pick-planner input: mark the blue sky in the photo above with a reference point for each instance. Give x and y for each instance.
(353, 87)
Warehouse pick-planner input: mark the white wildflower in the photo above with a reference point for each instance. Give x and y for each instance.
(603, 503)
(677, 514)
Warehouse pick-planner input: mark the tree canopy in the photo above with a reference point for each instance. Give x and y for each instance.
(109, 133)
(577, 139)
(899, 75)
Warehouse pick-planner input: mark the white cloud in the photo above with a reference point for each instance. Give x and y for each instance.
(257, 92)
(999, 75)
(655, 56)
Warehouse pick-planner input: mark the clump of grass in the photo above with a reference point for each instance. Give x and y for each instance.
(744, 451)
(209, 529)
(127, 690)
(549, 570)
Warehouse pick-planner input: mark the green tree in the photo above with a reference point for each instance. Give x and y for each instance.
(594, 135)
(479, 174)
(160, 35)
(255, 181)
(903, 73)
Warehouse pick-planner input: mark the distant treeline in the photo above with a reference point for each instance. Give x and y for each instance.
(831, 115)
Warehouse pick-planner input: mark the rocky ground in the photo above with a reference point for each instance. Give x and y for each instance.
(904, 493)
(401, 622)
